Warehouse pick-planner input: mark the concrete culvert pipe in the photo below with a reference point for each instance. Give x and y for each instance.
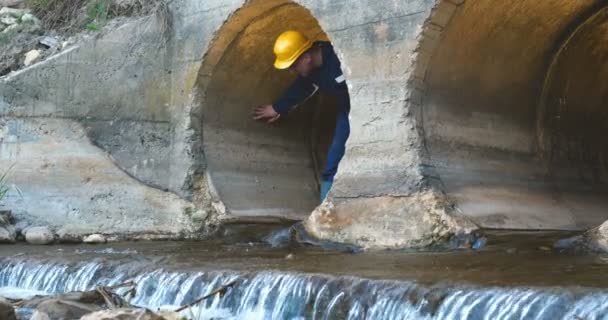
(462, 111)
(515, 113)
(258, 169)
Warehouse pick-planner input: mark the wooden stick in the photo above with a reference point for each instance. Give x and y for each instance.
(220, 290)
(122, 285)
(106, 297)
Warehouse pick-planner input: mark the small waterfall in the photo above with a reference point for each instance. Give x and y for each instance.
(277, 295)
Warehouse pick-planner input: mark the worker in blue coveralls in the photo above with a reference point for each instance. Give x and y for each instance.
(318, 68)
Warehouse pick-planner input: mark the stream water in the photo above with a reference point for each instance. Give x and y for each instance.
(516, 276)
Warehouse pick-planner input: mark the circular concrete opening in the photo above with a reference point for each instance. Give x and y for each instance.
(514, 113)
(258, 169)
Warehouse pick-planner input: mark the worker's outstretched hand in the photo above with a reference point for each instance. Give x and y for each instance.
(265, 113)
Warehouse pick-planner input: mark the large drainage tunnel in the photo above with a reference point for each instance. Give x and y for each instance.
(515, 112)
(259, 169)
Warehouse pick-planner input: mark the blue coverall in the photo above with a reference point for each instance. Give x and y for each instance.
(328, 79)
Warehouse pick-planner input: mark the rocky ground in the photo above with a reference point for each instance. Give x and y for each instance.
(101, 303)
(22, 40)
(32, 30)
(98, 304)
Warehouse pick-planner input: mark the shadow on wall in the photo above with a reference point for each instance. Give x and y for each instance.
(507, 161)
(257, 169)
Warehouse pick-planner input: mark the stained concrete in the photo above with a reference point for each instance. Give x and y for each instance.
(484, 122)
(446, 105)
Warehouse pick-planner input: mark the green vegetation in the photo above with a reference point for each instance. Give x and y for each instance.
(73, 15)
(97, 14)
(4, 188)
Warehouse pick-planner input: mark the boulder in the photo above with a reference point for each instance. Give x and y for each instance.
(123, 314)
(94, 238)
(7, 234)
(31, 57)
(7, 312)
(39, 235)
(62, 309)
(421, 220)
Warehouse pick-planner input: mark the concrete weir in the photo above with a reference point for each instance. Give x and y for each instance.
(465, 114)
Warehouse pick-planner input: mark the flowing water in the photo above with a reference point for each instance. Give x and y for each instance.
(514, 277)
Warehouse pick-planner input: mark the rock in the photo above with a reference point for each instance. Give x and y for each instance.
(8, 20)
(30, 19)
(40, 316)
(421, 220)
(13, 12)
(94, 238)
(84, 297)
(7, 234)
(39, 235)
(6, 217)
(87, 297)
(12, 3)
(594, 240)
(31, 57)
(598, 237)
(170, 315)
(123, 314)
(7, 312)
(14, 28)
(50, 42)
(62, 309)
(74, 233)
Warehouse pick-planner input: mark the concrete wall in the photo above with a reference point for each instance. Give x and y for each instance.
(444, 120)
(90, 136)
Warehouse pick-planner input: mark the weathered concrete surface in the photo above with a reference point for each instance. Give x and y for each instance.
(66, 183)
(148, 129)
(168, 99)
(389, 222)
(484, 68)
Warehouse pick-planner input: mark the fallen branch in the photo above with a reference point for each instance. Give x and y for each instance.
(221, 290)
(114, 300)
(106, 297)
(122, 285)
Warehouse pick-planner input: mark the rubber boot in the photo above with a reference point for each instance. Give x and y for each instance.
(325, 187)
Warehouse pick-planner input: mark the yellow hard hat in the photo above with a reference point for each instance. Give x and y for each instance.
(288, 47)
